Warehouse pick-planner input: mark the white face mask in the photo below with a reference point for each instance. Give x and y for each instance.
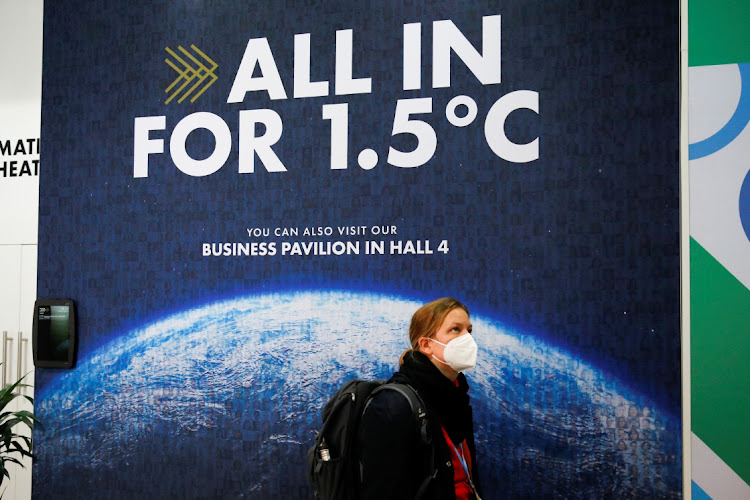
(460, 353)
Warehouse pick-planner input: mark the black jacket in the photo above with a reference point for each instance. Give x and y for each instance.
(393, 460)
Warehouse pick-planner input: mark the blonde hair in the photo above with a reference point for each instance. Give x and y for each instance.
(427, 319)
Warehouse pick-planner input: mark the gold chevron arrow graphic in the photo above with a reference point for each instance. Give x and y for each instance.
(193, 74)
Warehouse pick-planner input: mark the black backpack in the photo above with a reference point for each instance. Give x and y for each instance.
(333, 462)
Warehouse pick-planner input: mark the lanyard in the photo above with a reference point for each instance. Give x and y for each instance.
(464, 465)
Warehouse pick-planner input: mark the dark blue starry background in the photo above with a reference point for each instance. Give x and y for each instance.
(580, 247)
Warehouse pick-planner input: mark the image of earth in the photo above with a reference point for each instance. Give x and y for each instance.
(223, 401)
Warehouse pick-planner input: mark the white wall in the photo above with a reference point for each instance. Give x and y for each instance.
(20, 120)
(20, 117)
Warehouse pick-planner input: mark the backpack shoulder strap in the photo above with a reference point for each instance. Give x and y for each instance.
(418, 407)
(419, 410)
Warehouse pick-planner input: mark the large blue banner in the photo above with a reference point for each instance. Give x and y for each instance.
(248, 200)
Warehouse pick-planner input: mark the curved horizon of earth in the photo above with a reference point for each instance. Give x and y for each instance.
(223, 400)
